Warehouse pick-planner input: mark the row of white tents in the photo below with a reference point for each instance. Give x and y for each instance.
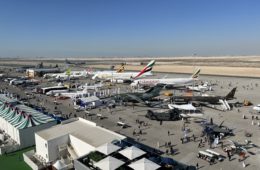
(111, 163)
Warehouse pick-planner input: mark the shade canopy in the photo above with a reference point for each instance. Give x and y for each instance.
(109, 163)
(182, 107)
(107, 148)
(132, 152)
(21, 116)
(144, 164)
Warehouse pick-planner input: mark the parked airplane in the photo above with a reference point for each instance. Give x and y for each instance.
(168, 81)
(91, 87)
(241, 146)
(257, 108)
(55, 92)
(163, 114)
(75, 94)
(207, 99)
(114, 76)
(74, 62)
(68, 74)
(211, 128)
(140, 97)
(24, 81)
(200, 88)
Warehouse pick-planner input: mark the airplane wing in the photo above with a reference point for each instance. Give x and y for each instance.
(182, 107)
(220, 130)
(135, 98)
(244, 149)
(165, 76)
(234, 143)
(221, 124)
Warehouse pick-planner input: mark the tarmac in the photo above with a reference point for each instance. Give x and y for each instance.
(156, 135)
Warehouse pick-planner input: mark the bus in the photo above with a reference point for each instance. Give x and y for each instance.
(44, 90)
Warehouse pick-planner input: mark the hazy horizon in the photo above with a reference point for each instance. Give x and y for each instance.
(131, 57)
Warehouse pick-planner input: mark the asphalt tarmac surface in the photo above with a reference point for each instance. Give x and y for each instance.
(155, 134)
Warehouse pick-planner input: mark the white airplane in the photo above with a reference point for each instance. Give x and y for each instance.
(54, 92)
(167, 81)
(200, 88)
(67, 74)
(76, 94)
(114, 75)
(257, 108)
(91, 87)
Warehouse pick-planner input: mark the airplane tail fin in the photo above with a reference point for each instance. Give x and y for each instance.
(95, 76)
(121, 68)
(196, 74)
(231, 94)
(68, 71)
(147, 68)
(85, 89)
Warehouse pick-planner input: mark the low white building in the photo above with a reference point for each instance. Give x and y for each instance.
(90, 101)
(71, 139)
(18, 123)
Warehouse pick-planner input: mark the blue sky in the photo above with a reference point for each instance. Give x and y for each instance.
(64, 28)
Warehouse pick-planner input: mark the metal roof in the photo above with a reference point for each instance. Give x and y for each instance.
(82, 129)
(4, 98)
(21, 116)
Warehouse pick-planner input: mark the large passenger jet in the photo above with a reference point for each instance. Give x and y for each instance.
(113, 75)
(167, 81)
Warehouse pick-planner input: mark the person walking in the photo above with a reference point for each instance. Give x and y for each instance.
(244, 164)
(228, 154)
(181, 140)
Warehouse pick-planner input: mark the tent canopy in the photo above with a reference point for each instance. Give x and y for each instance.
(144, 164)
(132, 152)
(107, 148)
(109, 163)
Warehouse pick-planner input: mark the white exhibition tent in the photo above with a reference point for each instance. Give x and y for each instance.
(109, 163)
(144, 164)
(132, 152)
(182, 107)
(107, 148)
(59, 165)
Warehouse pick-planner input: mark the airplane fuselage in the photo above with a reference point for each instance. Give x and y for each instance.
(187, 99)
(116, 75)
(170, 81)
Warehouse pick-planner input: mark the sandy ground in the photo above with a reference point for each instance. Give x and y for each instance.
(245, 66)
(208, 70)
